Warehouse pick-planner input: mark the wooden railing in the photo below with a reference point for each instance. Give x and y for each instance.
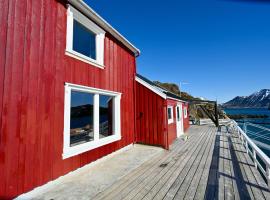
(263, 163)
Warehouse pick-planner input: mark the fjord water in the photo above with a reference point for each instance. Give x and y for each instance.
(265, 122)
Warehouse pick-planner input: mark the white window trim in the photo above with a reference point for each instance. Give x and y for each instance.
(170, 120)
(69, 151)
(72, 14)
(185, 112)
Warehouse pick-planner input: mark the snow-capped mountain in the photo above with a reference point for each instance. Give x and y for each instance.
(259, 99)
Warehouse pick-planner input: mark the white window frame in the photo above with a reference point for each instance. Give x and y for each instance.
(185, 112)
(69, 151)
(170, 120)
(72, 14)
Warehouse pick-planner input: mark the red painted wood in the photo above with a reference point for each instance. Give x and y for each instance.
(172, 135)
(4, 5)
(186, 120)
(33, 70)
(149, 117)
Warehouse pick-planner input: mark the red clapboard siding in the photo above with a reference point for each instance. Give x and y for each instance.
(149, 117)
(33, 70)
(172, 135)
(3, 36)
(186, 120)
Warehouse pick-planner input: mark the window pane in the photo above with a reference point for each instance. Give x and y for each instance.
(105, 116)
(169, 113)
(81, 118)
(84, 41)
(178, 113)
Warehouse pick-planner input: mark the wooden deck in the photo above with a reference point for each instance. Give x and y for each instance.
(209, 165)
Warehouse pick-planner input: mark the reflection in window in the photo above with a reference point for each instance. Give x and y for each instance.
(81, 118)
(105, 116)
(84, 41)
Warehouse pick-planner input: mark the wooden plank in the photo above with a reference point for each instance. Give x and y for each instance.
(233, 175)
(163, 179)
(221, 184)
(244, 189)
(180, 186)
(212, 182)
(12, 95)
(144, 169)
(246, 165)
(228, 184)
(209, 170)
(140, 180)
(261, 183)
(194, 185)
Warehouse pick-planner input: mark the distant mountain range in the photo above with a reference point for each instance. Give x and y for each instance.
(259, 99)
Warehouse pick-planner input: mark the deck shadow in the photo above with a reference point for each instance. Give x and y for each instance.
(212, 187)
(212, 183)
(239, 179)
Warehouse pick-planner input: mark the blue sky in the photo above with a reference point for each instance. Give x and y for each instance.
(220, 47)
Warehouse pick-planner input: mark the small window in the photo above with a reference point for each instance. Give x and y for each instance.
(170, 114)
(178, 113)
(92, 119)
(185, 112)
(85, 40)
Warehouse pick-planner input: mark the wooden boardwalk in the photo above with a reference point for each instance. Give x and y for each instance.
(209, 165)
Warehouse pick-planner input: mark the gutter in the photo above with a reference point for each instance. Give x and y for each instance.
(91, 14)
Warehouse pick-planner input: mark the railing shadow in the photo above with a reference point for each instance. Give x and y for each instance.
(214, 173)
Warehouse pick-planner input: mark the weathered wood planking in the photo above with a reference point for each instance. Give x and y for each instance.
(202, 167)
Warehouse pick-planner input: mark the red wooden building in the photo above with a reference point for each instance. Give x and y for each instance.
(161, 116)
(67, 81)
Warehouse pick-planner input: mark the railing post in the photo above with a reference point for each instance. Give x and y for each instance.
(245, 128)
(247, 146)
(255, 159)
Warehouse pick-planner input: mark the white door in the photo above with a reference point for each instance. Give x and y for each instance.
(179, 120)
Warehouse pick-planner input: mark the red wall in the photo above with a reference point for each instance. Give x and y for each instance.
(33, 70)
(150, 117)
(172, 135)
(186, 120)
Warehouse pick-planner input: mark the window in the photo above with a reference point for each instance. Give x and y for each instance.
(170, 114)
(185, 112)
(92, 119)
(85, 40)
(81, 118)
(178, 113)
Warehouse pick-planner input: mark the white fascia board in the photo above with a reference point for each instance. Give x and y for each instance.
(89, 12)
(176, 99)
(150, 87)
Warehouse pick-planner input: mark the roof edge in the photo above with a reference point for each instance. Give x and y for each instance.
(89, 12)
(150, 87)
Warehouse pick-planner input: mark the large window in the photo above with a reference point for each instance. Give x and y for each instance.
(85, 40)
(170, 114)
(92, 118)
